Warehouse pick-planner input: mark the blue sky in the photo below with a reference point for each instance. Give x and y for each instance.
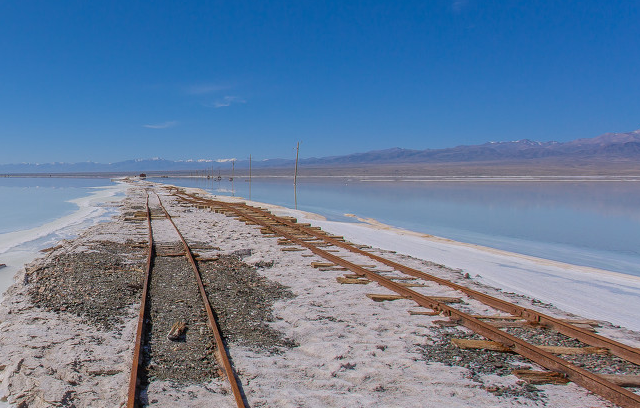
(113, 80)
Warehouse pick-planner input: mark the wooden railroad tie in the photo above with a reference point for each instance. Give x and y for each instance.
(320, 244)
(502, 324)
(292, 249)
(332, 269)
(441, 299)
(424, 312)
(503, 321)
(138, 245)
(579, 322)
(171, 254)
(622, 380)
(469, 344)
(323, 264)
(343, 280)
(540, 377)
(496, 317)
(552, 377)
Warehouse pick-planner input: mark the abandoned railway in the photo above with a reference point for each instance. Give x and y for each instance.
(187, 299)
(319, 242)
(160, 317)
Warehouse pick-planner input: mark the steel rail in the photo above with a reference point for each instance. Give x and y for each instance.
(586, 379)
(222, 354)
(132, 396)
(621, 350)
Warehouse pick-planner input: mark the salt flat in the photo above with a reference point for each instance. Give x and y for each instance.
(349, 351)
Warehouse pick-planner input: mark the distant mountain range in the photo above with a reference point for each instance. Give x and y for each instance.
(610, 146)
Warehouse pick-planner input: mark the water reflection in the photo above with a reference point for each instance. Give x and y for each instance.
(588, 223)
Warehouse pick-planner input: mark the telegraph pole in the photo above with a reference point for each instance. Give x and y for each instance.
(295, 174)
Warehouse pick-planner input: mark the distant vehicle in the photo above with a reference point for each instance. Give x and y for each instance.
(2, 265)
(142, 175)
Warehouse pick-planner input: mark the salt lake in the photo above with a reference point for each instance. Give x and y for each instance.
(584, 223)
(592, 224)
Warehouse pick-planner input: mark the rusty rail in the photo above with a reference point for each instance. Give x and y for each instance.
(621, 350)
(586, 379)
(132, 396)
(222, 355)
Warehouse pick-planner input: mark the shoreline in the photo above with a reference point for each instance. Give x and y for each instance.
(543, 261)
(495, 267)
(375, 224)
(23, 246)
(590, 292)
(589, 224)
(344, 350)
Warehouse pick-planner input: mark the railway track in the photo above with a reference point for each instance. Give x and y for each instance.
(167, 312)
(323, 244)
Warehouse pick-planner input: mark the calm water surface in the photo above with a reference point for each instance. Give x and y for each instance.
(587, 223)
(593, 224)
(29, 202)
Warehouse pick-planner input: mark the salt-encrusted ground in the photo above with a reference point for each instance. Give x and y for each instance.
(351, 352)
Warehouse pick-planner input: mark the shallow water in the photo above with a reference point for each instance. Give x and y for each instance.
(28, 202)
(588, 223)
(585, 223)
(37, 212)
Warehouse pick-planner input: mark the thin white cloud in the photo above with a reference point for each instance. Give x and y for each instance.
(161, 125)
(203, 89)
(226, 101)
(458, 5)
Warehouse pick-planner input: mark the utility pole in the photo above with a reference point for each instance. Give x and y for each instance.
(295, 174)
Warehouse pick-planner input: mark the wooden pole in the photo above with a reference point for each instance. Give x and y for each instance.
(295, 174)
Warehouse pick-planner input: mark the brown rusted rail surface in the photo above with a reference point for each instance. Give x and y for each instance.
(586, 379)
(621, 350)
(132, 396)
(221, 353)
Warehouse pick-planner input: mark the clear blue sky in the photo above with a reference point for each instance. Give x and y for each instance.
(113, 80)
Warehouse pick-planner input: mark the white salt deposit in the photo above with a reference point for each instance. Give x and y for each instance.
(587, 292)
(351, 351)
